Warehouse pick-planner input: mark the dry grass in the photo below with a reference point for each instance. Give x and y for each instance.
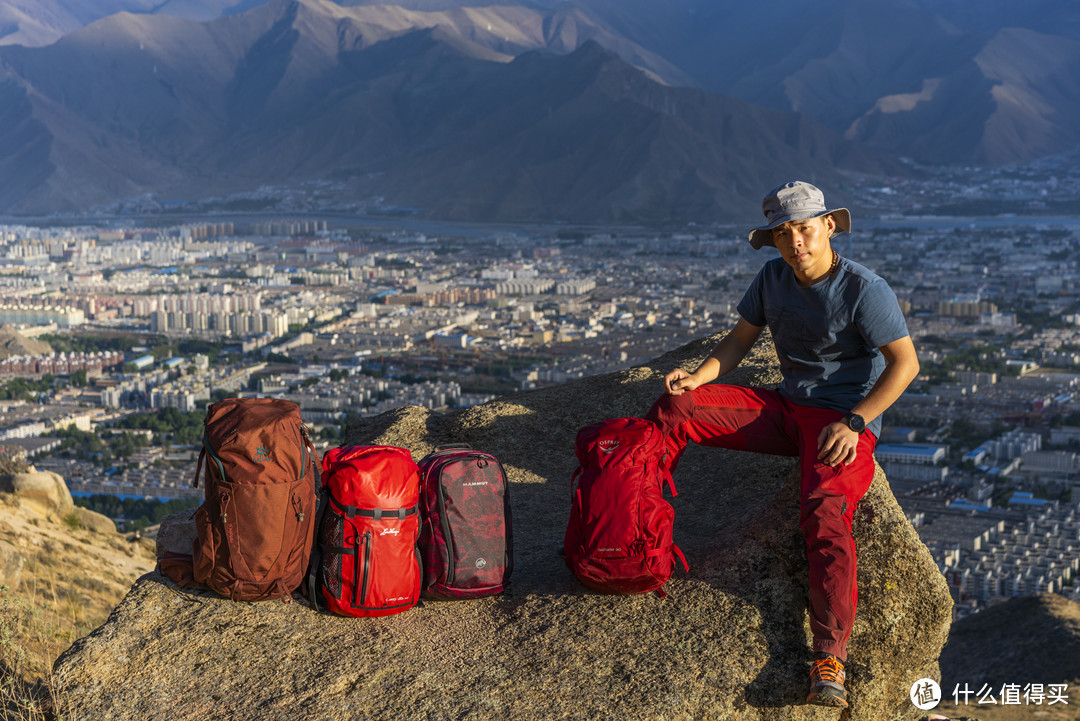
(27, 641)
(70, 582)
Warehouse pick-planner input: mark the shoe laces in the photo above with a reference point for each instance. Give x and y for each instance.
(829, 668)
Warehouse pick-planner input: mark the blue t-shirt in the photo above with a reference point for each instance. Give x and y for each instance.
(827, 335)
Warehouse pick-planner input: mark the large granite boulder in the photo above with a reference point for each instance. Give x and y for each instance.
(731, 640)
(42, 492)
(95, 522)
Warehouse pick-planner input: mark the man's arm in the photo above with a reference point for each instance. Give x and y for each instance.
(837, 442)
(727, 354)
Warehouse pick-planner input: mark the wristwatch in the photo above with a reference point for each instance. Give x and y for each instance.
(855, 422)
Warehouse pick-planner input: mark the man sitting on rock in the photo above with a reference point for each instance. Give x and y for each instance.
(845, 356)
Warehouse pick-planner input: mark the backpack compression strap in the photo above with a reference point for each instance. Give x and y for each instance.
(376, 513)
(673, 549)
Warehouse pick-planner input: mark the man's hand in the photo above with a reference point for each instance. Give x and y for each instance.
(679, 381)
(837, 444)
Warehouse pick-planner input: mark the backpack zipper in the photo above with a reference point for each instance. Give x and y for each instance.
(367, 562)
(303, 449)
(214, 458)
(444, 523)
(298, 508)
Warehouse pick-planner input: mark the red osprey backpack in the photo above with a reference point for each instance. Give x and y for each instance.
(618, 539)
(366, 562)
(465, 538)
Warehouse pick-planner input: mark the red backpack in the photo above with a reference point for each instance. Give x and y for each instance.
(366, 561)
(619, 536)
(255, 526)
(465, 539)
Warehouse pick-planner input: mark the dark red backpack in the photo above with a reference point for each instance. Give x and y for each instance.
(466, 540)
(255, 526)
(366, 562)
(618, 539)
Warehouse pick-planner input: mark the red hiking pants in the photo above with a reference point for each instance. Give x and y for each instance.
(763, 421)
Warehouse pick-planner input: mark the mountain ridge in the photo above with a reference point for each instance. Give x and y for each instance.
(425, 118)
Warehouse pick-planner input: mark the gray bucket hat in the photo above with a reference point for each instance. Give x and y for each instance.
(795, 201)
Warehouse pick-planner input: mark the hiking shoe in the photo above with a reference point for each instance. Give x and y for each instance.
(827, 682)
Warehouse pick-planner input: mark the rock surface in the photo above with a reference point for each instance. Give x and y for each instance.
(43, 492)
(11, 565)
(730, 640)
(176, 534)
(94, 521)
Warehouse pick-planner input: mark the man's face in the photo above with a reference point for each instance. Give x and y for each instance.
(804, 245)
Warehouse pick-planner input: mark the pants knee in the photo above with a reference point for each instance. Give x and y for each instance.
(668, 410)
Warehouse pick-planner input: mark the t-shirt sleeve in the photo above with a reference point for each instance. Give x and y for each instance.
(752, 307)
(878, 316)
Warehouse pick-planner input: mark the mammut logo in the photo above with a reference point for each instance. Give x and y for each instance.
(609, 550)
(480, 563)
(262, 453)
(390, 531)
(475, 483)
(609, 445)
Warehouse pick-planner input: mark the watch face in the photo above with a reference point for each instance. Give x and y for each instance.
(856, 423)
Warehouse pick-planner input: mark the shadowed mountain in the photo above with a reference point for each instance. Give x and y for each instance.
(586, 136)
(1017, 99)
(299, 89)
(930, 79)
(924, 78)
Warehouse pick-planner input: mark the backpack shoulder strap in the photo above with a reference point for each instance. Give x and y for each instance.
(315, 563)
(198, 467)
(670, 484)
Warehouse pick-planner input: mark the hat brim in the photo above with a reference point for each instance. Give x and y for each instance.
(760, 237)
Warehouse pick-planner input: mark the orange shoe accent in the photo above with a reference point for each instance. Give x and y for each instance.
(827, 683)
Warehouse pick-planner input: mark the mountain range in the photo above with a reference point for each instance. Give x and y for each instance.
(584, 110)
(429, 118)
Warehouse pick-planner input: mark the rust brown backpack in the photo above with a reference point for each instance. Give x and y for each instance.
(255, 525)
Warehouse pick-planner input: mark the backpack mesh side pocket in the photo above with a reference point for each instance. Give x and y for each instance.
(332, 540)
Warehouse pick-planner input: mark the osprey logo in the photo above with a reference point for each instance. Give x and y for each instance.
(608, 445)
(390, 532)
(262, 453)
